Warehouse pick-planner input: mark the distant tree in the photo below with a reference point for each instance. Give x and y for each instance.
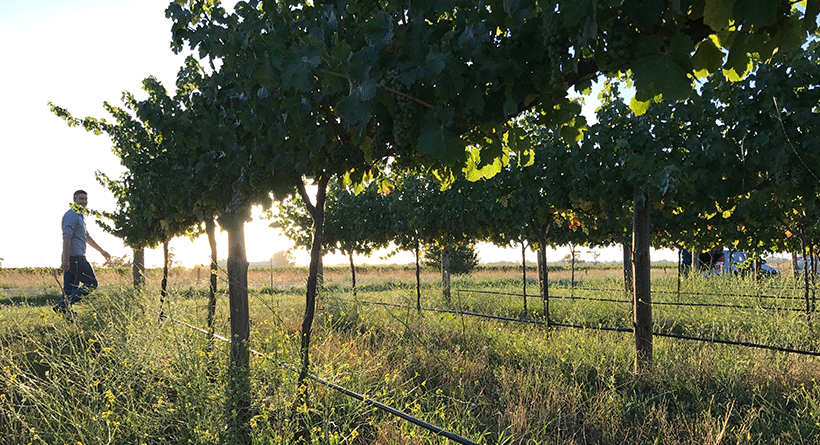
(426, 214)
(595, 255)
(572, 258)
(463, 258)
(355, 222)
(282, 258)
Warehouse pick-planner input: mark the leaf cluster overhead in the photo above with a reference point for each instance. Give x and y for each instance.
(421, 81)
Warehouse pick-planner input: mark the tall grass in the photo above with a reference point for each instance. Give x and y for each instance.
(119, 375)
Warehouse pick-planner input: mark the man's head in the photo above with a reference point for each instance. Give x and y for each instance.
(81, 198)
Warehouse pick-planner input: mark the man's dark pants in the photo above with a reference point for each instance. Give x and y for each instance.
(79, 271)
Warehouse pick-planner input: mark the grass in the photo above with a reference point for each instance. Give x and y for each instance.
(117, 375)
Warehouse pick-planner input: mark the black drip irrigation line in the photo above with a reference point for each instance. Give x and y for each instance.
(603, 328)
(416, 421)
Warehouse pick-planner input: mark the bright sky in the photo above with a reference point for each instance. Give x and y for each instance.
(78, 54)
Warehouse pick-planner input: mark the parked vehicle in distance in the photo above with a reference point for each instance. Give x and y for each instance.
(800, 264)
(740, 264)
(714, 263)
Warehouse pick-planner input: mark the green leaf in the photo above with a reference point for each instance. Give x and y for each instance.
(646, 13)
(641, 101)
(578, 10)
(364, 91)
(590, 31)
(676, 6)
(437, 141)
(665, 74)
(441, 144)
(517, 140)
(435, 62)
(758, 13)
(510, 107)
(379, 29)
(352, 109)
(339, 55)
(738, 63)
(708, 58)
(812, 8)
(474, 171)
(788, 37)
(717, 14)
(574, 130)
(297, 72)
(474, 101)
(680, 49)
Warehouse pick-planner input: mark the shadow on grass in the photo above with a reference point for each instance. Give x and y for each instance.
(41, 298)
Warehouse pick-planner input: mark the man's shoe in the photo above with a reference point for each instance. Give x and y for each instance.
(75, 299)
(58, 308)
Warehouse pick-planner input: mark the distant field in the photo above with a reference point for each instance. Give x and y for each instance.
(43, 279)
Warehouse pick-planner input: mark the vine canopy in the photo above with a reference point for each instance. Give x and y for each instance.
(438, 83)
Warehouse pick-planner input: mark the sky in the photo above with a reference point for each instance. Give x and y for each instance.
(78, 55)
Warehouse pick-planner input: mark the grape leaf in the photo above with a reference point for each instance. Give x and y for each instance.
(708, 58)
(717, 14)
(738, 63)
(662, 72)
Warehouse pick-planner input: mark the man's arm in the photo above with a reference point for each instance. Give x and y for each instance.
(94, 244)
(66, 252)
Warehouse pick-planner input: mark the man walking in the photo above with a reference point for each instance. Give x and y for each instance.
(76, 268)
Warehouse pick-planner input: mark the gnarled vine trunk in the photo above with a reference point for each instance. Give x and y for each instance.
(138, 268)
(445, 273)
(418, 276)
(239, 388)
(629, 280)
(210, 229)
(352, 272)
(540, 231)
(524, 273)
(164, 286)
(317, 212)
(642, 297)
